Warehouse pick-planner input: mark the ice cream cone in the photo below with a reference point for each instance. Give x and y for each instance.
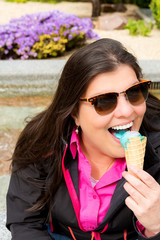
(135, 151)
(134, 145)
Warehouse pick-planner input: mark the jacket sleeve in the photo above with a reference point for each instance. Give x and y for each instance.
(22, 194)
(154, 170)
(141, 236)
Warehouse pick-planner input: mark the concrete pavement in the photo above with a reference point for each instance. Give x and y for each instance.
(40, 77)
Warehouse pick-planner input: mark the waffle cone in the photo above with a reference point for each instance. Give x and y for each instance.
(135, 151)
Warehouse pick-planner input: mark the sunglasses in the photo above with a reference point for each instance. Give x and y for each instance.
(106, 103)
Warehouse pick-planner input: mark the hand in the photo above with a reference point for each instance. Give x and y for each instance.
(144, 199)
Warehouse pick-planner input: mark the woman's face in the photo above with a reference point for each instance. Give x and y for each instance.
(96, 135)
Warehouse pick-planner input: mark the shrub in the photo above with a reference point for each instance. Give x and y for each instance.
(24, 1)
(142, 3)
(56, 44)
(139, 27)
(43, 35)
(155, 8)
(46, 1)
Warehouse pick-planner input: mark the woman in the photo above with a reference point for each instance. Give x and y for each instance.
(69, 167)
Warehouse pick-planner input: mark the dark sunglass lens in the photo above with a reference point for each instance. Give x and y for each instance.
(138, 93)
(106, 103)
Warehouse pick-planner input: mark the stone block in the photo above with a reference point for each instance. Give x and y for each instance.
(119, 7)
(111, 22)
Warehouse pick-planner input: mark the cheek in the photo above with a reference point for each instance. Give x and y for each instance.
(88, 118)
(140, 110)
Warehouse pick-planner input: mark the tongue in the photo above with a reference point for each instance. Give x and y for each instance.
(119, 134)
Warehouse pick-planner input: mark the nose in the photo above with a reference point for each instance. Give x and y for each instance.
(123, 108)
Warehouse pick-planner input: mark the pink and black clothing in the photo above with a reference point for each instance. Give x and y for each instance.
(94, 201)
(80, 211)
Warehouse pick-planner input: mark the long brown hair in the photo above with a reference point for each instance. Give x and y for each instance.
(47, 132)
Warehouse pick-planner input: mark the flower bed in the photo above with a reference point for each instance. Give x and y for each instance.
(43, 35)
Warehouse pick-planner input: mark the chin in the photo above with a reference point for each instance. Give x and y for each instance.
(119, 154)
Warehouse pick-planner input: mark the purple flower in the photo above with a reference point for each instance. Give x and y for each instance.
(6, 51)
(70, 36)
(20, 35)
(56, 39)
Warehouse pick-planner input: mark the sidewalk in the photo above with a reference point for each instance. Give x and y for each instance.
(4, 233)
(10, 10)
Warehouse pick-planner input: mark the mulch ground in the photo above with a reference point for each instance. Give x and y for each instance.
(18, 101)
(9, 137)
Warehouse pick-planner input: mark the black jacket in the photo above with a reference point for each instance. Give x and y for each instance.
(26, 225)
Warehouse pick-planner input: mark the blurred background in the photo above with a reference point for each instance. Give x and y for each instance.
(37, 38)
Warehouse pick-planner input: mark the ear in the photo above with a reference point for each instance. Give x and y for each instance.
(76, 119)
(75, 116)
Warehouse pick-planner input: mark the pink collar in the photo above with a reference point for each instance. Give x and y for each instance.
(114, 174)
(75, 144)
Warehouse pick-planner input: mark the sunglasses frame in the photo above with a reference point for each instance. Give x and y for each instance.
(92, 100)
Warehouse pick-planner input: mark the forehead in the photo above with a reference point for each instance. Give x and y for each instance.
(116, 81)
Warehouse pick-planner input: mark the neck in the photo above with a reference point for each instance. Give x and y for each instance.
(98, 169)
(100, 163)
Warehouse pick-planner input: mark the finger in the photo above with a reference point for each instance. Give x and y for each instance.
(132, 205)
(138, 211)
(136, 195)
(137, 184)
(144, 177)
